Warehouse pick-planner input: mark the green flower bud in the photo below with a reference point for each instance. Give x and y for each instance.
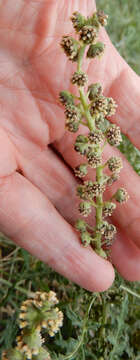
(70, 47)
(111, 179)
(121, 195)
(101, 123)
(93, 20)
(109, 232)
(78, 21)
(85, 208)
(102, 227)
(95, 50)
(81, 148)
(72, 126)
(66, 98)
(82, 139)
(81, 144)
(108, 208)
(81, 192)
(81, 170)
(81, 225)
(94, 90)
(86, 238)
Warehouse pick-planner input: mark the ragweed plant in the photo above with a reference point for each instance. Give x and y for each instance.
(36, 314)
(92, 109)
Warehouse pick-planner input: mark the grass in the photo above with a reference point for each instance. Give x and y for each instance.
(112, 329)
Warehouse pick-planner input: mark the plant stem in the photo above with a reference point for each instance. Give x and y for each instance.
(118, 332)
(70, 356)
(80, 57)
(99, 202)
(129, 291)
(90, 119)
(83, 97)
(99, 171)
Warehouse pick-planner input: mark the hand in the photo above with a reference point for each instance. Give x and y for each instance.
(38, 202)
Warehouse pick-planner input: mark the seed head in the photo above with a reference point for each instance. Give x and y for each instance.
(88, 34)
(78, 21)
(96, 50)
(81, 225)
(85, 208)
(86, 191)
(95, 137)
(94, 90)
(99, 105)
(54, 323)
(109, 232)
(81, 170)
(93, 189)
(94, 159)
(102, 17)
(72, 113)
(79, 78)
(111, 107)
(66, 98)
(30, 343)
(108, 208)
(70, 47)
(115, 164)
(113, 135)
(121, 195)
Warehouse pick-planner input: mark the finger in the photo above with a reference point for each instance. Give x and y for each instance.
(126, 257)
(8, 163)
(125, 91)
(54, 178)
(29, 218)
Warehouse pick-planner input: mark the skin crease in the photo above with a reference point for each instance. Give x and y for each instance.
(38, 206)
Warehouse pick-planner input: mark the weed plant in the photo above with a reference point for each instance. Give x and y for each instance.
(96, 326)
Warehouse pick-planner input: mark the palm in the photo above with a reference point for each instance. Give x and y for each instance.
(33, 71)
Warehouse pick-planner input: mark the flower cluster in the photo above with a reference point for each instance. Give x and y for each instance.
(35, 315)
(93, 110)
